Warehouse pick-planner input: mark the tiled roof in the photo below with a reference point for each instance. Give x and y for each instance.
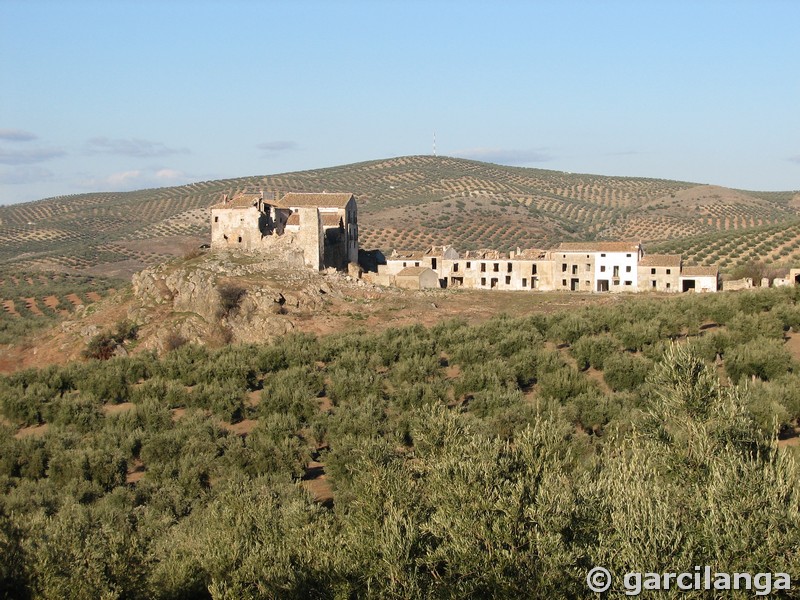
(412, 271)
(239, 201)
(330, 220)
(599, 246)
(699, 272)
(661, 260)
(323, 199)
(406, 255)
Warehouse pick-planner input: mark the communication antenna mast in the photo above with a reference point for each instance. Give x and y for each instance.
(434, 143)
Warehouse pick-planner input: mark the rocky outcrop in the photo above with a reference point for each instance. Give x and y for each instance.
(244, 297)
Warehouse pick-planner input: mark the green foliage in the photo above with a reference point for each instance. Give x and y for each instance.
(429, 444)
(760, 357)
(104, 345)
(625, 371)
(592, 350)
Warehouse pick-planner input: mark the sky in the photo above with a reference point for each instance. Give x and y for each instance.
(120, 95)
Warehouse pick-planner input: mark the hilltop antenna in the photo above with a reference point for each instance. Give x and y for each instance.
(434, 143)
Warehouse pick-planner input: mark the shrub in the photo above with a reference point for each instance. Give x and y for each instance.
(230, 298)
(592, 350)
(174, 340)
(623, 371)
(562, 385)
(760, 357)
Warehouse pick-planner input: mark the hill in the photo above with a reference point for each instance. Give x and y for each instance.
(407, 202)
(62, 253)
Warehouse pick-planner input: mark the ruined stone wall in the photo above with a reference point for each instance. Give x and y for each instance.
(311, 238)
(240, 228)
(737, 284)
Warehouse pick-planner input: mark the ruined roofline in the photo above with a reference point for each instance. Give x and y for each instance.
(598, 246)
(315, 199)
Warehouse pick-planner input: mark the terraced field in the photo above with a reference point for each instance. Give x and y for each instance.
(407, 202)
(777, 245)
(29, 300)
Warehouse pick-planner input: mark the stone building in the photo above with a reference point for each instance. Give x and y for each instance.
(575, 266)
(660, 273)
(417, 278)
(608, 266)
(323, 226)
(699, 279)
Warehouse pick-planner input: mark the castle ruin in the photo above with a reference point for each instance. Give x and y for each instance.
(323, 226)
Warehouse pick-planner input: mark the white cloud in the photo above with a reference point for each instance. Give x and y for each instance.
(16, 135)
(136, 179)
(131, 147)
(121, 179)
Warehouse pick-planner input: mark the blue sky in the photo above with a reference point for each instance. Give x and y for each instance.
(120, 95)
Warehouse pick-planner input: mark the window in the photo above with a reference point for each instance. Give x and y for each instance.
(652, 271)
(455, 267)
(483, 267)
(240, 239)
(574, 269)
(469, 264)
(653, 284)
(602, 268)
(216, 219)
(564, 267)
(616, 270)
(669, 271)
(564, 282)
(628, 283)
(669, 285)
(416, 264)
(483, 280)
(627, 256)
(496, 267)
(404, 264)
(524, 282)
(603, 255)
(510, 267)
(533, 270)
(628, 269)
(508, 279)
(588, 268)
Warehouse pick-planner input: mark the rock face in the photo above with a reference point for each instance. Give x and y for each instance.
(228, 296)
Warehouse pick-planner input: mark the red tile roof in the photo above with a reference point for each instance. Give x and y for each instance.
(661, 260)
(699, 272)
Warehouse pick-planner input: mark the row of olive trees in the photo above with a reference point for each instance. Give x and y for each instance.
(457, 454)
